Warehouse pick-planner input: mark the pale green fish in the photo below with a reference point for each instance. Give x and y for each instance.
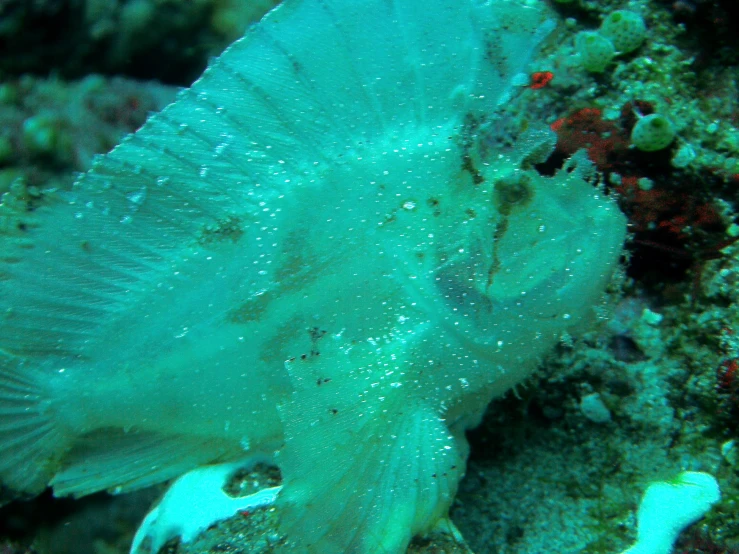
(317, 250)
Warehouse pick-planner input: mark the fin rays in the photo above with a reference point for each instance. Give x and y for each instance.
(308, 87)
(113, 459)
(227, 145)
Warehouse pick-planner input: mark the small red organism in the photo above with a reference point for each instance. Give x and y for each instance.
(540, 79)
(727, 391)
(726, 375)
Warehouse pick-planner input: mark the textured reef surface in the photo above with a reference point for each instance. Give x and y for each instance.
(358, 228)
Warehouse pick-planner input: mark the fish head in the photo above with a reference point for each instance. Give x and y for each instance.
(533, 259)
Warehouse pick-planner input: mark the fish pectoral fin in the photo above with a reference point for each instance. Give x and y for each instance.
(31, 443)
(119, 461)
(366, 464)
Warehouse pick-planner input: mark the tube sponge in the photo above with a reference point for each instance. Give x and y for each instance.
(652, 132)
(621, 32)
(596, 51)
(625, 29)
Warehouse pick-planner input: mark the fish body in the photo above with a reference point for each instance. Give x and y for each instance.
(314, 251)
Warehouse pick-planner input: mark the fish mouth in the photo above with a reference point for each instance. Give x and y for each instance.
(502, 296)
(484, 314)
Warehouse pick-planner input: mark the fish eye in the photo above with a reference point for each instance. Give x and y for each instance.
(511, 191)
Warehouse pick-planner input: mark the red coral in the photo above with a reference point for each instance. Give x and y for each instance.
(674, 212)
(726, 375)
(677, 211)
(605, 141)
(676, 223)
(540, 79)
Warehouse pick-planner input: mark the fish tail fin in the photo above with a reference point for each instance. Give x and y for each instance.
(30, 441)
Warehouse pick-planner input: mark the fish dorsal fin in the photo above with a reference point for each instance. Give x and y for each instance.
(367, 464)
(279, 108)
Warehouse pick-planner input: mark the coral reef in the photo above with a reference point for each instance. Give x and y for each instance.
(52, 128)
(559, 464)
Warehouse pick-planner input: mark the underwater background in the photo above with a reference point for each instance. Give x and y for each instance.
(560, 463)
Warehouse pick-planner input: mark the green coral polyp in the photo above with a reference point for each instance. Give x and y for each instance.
(40, 134)
(44, 135)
